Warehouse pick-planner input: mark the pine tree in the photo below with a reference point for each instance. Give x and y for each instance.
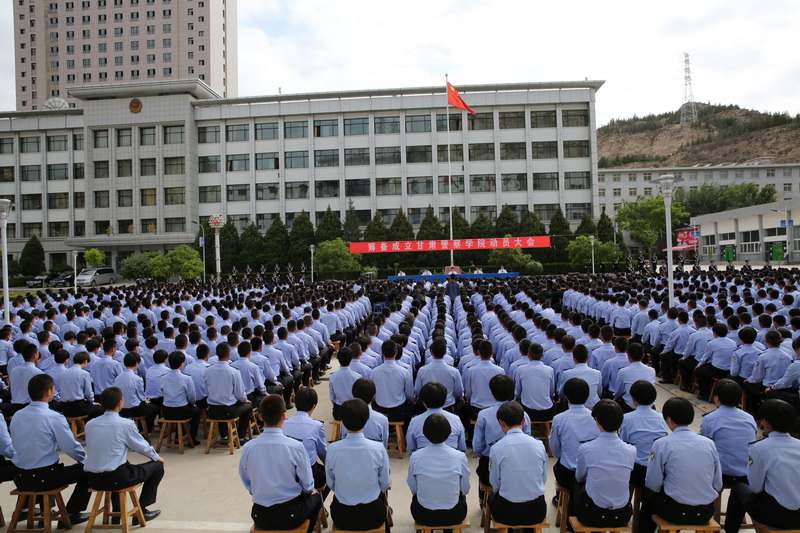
(376, 229)
(587, 226)
(401, 229)
(560, 235)
(252, 250)
(229, 247)
(276, 244)
(461, 230)
(31, 261)
(351, 231)
(507, 223)
(330, 227)
(300, 238)
(531, 226)
(430, 229)
(481, 228)
(605, 228)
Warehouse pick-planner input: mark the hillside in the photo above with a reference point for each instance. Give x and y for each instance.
(723, 135)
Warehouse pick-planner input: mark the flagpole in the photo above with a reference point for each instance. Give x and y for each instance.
(449, 169)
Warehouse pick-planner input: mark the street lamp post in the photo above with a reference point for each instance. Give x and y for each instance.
(75, 271)
(665, 183)
(203, 246)
(216, 222)
(5, 209)
(591, 240)
(311, 249)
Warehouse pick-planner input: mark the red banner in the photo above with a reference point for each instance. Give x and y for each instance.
(455, 244)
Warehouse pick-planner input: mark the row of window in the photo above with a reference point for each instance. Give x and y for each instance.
(102, 199)
(102, 4)
(753, 173)
(101, 227)
(100, 139)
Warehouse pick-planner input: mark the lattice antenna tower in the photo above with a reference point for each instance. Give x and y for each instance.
(688, 109)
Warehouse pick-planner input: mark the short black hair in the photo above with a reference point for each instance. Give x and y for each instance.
(580, 354)
(436, 428)
(643, 392)
(576, 390)
(502, 387)
(131, 359)
(729, 392)
(433, 395)
(635, 351)
(364, 389)
(110, 398)
(511, 414)
(608, 414)
(306, 399)
(355, 414)
(39, 385)
(344, 356)
(272, 409)
(160, 356)
(389, 349)
(780, 415)
(176, 359)
(680, 410)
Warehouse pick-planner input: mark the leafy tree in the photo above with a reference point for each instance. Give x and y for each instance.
(507, 223)
(276, 242)
(252, 250)
(183, 261)
(94, 257)
(587, 226)
(31, 261)
(430, 229)
(513, 259)
(645, 219)
(330, 227)
(580, 252)
(137, 265)
(229, 247)
(481, 228)
(560, 235)
(300, 238)
(713, 198)
(351, 230)
(376, 229)
(334, 256)
(605, 228)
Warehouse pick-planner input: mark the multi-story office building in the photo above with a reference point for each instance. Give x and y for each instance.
(138, 164)
(60, 45)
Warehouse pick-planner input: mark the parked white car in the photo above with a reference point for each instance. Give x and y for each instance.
(96, 276)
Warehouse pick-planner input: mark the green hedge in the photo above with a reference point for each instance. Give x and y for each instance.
(19, 281)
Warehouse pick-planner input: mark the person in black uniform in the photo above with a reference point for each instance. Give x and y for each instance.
(713, 268)
(747, 268)
(730, 269)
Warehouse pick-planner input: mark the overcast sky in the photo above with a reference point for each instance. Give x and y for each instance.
(742, 52)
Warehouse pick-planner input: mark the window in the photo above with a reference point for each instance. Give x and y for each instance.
(359, 187)
(297, 159)
(174, 165)
(576, 148)
(30, 173)
(147, 167)
(147, 197)
(269, 191)
(648, 191)
(420, 185)
(616, 177)
(7, 175)
(58, 229)
(754, 174)
(124, 168)
(58, 200)
(543, 119)
(480, 121)
(173, 134)
(267, 161)
(266, 131)
(455, 122)
(633, 191)
(100, 138)
(356, 156)
(647, 176)
(356, 126)
(770, 172)
(265, 220)
(418, 123)
(29, 145)
(101, 199)
(544, 150)
(174, 225)
(387, 215)
(514, 182)
(601, 192)
(418, 154)
(295, 130)
(237, 162)
(482, 183)
(326, 158)
(739, 174)
(238, 193)
(29, 229)
(210, 194)
(631, 176)
(388, 186)
(77, 171)
(787, 172)
(545, 181)
(489, 211)
(749, 236)
(545, 211)
(125, 198)
(58, 171)
(174, 195)
(149, 225)
(208, 134)
(240, 222)
(787, 187)
(481, 152)
(512, 150)
(326, 128)
(617, 192)
(456, 153)
(575, 117)
(326, 189)
(56, 143)
(576, 211)
(512, 120)
(387, 155)
(296, 190)
(237, 132)
(6, 145)
(147, 136)
(387, 125)
(416, 214)
(456, 183)
(125, 225)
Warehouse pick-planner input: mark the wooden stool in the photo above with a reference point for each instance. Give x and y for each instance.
(485, 490)
(78, 426)
(427, 529)
(213, 432)
(336, 431)
(204, 421)
(537, 528)
(665, 526)
(562, 510)
(299, 529)
(104, 497)
(141, 423)
(28, 499)
(636, 504)
(336, 345)
(578, 527)
(763, 528)
(322, 518)
(252, 428)
(380, 529)
(544, 430)
(399, 445)
(175, 440)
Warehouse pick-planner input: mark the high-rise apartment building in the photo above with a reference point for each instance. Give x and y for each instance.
(61, 45)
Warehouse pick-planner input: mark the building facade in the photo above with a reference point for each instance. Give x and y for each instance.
(139, 164)
(59, 45)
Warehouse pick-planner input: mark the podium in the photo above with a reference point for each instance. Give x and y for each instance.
(447, 270)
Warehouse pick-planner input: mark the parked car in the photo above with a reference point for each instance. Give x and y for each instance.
(66, 279)
(41, 281)
(96, 276)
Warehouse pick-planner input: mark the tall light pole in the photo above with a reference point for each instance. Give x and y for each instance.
(311, 249)
(75, 271)
(785, 212)
(203, 246)
(665, 183)
(216, 222)
(5, 209)
(591, 240)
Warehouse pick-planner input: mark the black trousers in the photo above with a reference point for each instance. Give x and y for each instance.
(517, 514)
(243, 410)
(182, 413)
(540, 415)
(148, 410)
(315, 362)
(638, 475)
(287, 382)
(591, 515)
(662, 505)
(704, 374)
(80, 408)
(483, 470)
(787, 395)
(439, 517)
(761, 506)
(359, 517)
(669, 366)
(7, 469)
(566, 478)
(655, 357)
(288, 515)
(54, 476)
(754, 392)
(686, 368)
(149, 474)
(401, 413)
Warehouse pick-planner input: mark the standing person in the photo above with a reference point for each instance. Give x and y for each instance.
(438, 477)
(274, 468)
(37, 434)
(108, 439)
(684, 475)
(357, 471)
(226, 397)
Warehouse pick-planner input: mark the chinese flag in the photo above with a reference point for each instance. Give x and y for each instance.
(454, 99)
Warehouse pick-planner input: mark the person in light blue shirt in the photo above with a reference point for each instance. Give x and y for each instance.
(438, 477)
(601, 492)
(276, 471)
(675, 348)
(694, 351)
(377, 427)
(630, 374)
(517, 471)
(535, 386)
(153, 377)
(476, 381)
(394, 384)
(437, 371)
(684, 475)
(197, 372)
(745, 356)
(340, 384)
(357, 471)
(226, 397)
(252, 378)
(433, 396)
(20, 376)
(580, 355)
(771, 495)
(641, 427)
(767, 370)
(179, 395)
(716, 362)
(105, 369)
(311, 433)
(132, 386)
(7, 453)
(108, 439)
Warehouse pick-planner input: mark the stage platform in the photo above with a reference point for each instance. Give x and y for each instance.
(440, 278)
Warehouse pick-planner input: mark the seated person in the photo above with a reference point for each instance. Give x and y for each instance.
(179, 395)
(377, 427)
(77, 397)
(641, 427)
(438, 477)
(433, 396)
(132, 386)
(311, 433)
